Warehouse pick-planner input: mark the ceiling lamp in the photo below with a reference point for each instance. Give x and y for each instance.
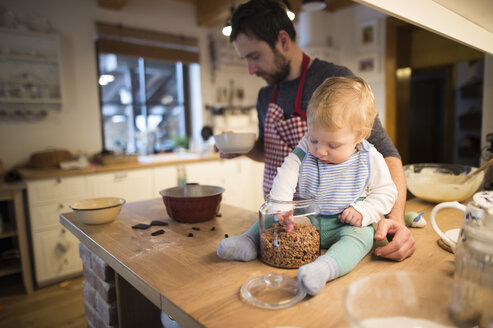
(313, 5)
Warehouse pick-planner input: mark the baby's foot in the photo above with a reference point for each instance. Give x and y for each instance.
(237, 248)
(313, 276)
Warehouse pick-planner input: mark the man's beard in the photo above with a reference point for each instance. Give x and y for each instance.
(281, 69)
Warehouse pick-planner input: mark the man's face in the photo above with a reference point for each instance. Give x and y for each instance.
(263, 61)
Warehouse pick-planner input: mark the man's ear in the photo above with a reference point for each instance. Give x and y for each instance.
(285, 40)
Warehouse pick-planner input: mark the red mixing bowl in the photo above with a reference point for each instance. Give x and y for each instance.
(193, 202)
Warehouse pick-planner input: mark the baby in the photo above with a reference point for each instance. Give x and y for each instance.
(348, 176)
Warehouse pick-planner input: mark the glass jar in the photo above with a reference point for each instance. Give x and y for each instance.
(474, 252)
(292, 249)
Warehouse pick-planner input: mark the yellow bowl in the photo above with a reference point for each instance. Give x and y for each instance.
(98, 210)
(441, 182)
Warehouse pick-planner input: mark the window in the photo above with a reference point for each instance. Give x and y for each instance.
(144, 82)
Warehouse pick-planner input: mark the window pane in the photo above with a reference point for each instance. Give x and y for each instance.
(142, 104)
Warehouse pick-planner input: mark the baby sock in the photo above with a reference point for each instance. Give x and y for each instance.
(239, 248)
(313, 276)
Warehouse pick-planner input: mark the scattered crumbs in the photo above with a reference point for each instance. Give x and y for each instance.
(196, 228)
(141, 226)
(213, 228)
(158, 223)
(226, 235)
(158, 232)
(218, 215)
(190, 234)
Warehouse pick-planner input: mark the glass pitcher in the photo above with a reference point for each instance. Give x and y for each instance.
(474, 248)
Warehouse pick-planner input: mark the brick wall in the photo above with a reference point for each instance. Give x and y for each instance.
(99, 290)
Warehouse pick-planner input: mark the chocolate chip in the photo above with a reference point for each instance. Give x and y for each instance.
(159, 223)
(218, 215)
(190, 234)
(196, 228)
(141, 226)
(226, 235)
(158, 232)
(213, 228)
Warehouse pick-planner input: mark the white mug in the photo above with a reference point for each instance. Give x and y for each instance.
(446, 239)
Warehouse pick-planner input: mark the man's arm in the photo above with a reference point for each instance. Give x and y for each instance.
(402, 244)
(257, 152)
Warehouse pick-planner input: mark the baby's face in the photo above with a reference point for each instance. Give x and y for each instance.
(331, 146)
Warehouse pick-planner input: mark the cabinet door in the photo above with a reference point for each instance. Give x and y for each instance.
(56, 254)
(164, 177)
(132, 185)
(50, 190)
(46, 216)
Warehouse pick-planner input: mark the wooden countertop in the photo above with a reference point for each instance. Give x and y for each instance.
(184, 277)
(34, 174)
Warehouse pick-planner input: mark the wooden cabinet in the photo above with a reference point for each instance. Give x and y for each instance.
(29, 73)
(132, 185)
(239, 177)
(13, 234)
(55, 251)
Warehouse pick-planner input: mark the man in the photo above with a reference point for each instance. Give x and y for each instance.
(264, 36)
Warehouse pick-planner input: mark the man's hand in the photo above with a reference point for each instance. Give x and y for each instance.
(402, 244)
(351, 216)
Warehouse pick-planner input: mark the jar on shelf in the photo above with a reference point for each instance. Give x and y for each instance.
(281, 246)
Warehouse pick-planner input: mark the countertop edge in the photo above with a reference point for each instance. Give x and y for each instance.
(32, 174)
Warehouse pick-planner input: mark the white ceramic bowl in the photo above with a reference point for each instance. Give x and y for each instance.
(98, 210)
(441, 182)
(235, 143)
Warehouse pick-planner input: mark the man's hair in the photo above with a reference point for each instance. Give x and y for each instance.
(262, 19)
(343, 102)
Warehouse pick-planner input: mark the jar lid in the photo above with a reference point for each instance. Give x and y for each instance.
(484, 199)
(272, 291)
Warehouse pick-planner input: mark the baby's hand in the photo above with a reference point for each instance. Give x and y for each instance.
(351, 216)
(287, 219)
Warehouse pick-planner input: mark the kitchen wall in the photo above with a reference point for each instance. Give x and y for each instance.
(77, 125)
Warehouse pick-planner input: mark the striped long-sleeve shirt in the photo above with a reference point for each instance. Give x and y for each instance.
(337, 186)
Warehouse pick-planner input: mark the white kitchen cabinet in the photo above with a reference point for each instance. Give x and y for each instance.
(132, 185)
(239, 177)
(55, 251)
(164, 177)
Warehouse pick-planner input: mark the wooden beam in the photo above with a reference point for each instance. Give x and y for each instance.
(334, 5)
(112, 4)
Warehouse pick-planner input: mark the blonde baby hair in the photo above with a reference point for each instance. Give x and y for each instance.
(343, 101)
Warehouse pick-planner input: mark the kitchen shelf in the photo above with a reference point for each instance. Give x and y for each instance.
(30, 74)
(29, 58)
(10, 268)
(12, 196)
(8, 231)
(11, 100)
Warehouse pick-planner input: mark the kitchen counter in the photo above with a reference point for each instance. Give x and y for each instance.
(183, 276)
(143, 162)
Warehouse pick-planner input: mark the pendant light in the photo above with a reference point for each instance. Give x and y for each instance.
(313, 5)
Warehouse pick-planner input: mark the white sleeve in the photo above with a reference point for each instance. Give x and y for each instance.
(286, 180)
(381, 191)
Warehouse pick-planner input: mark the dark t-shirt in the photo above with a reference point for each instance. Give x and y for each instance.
(316, 74)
